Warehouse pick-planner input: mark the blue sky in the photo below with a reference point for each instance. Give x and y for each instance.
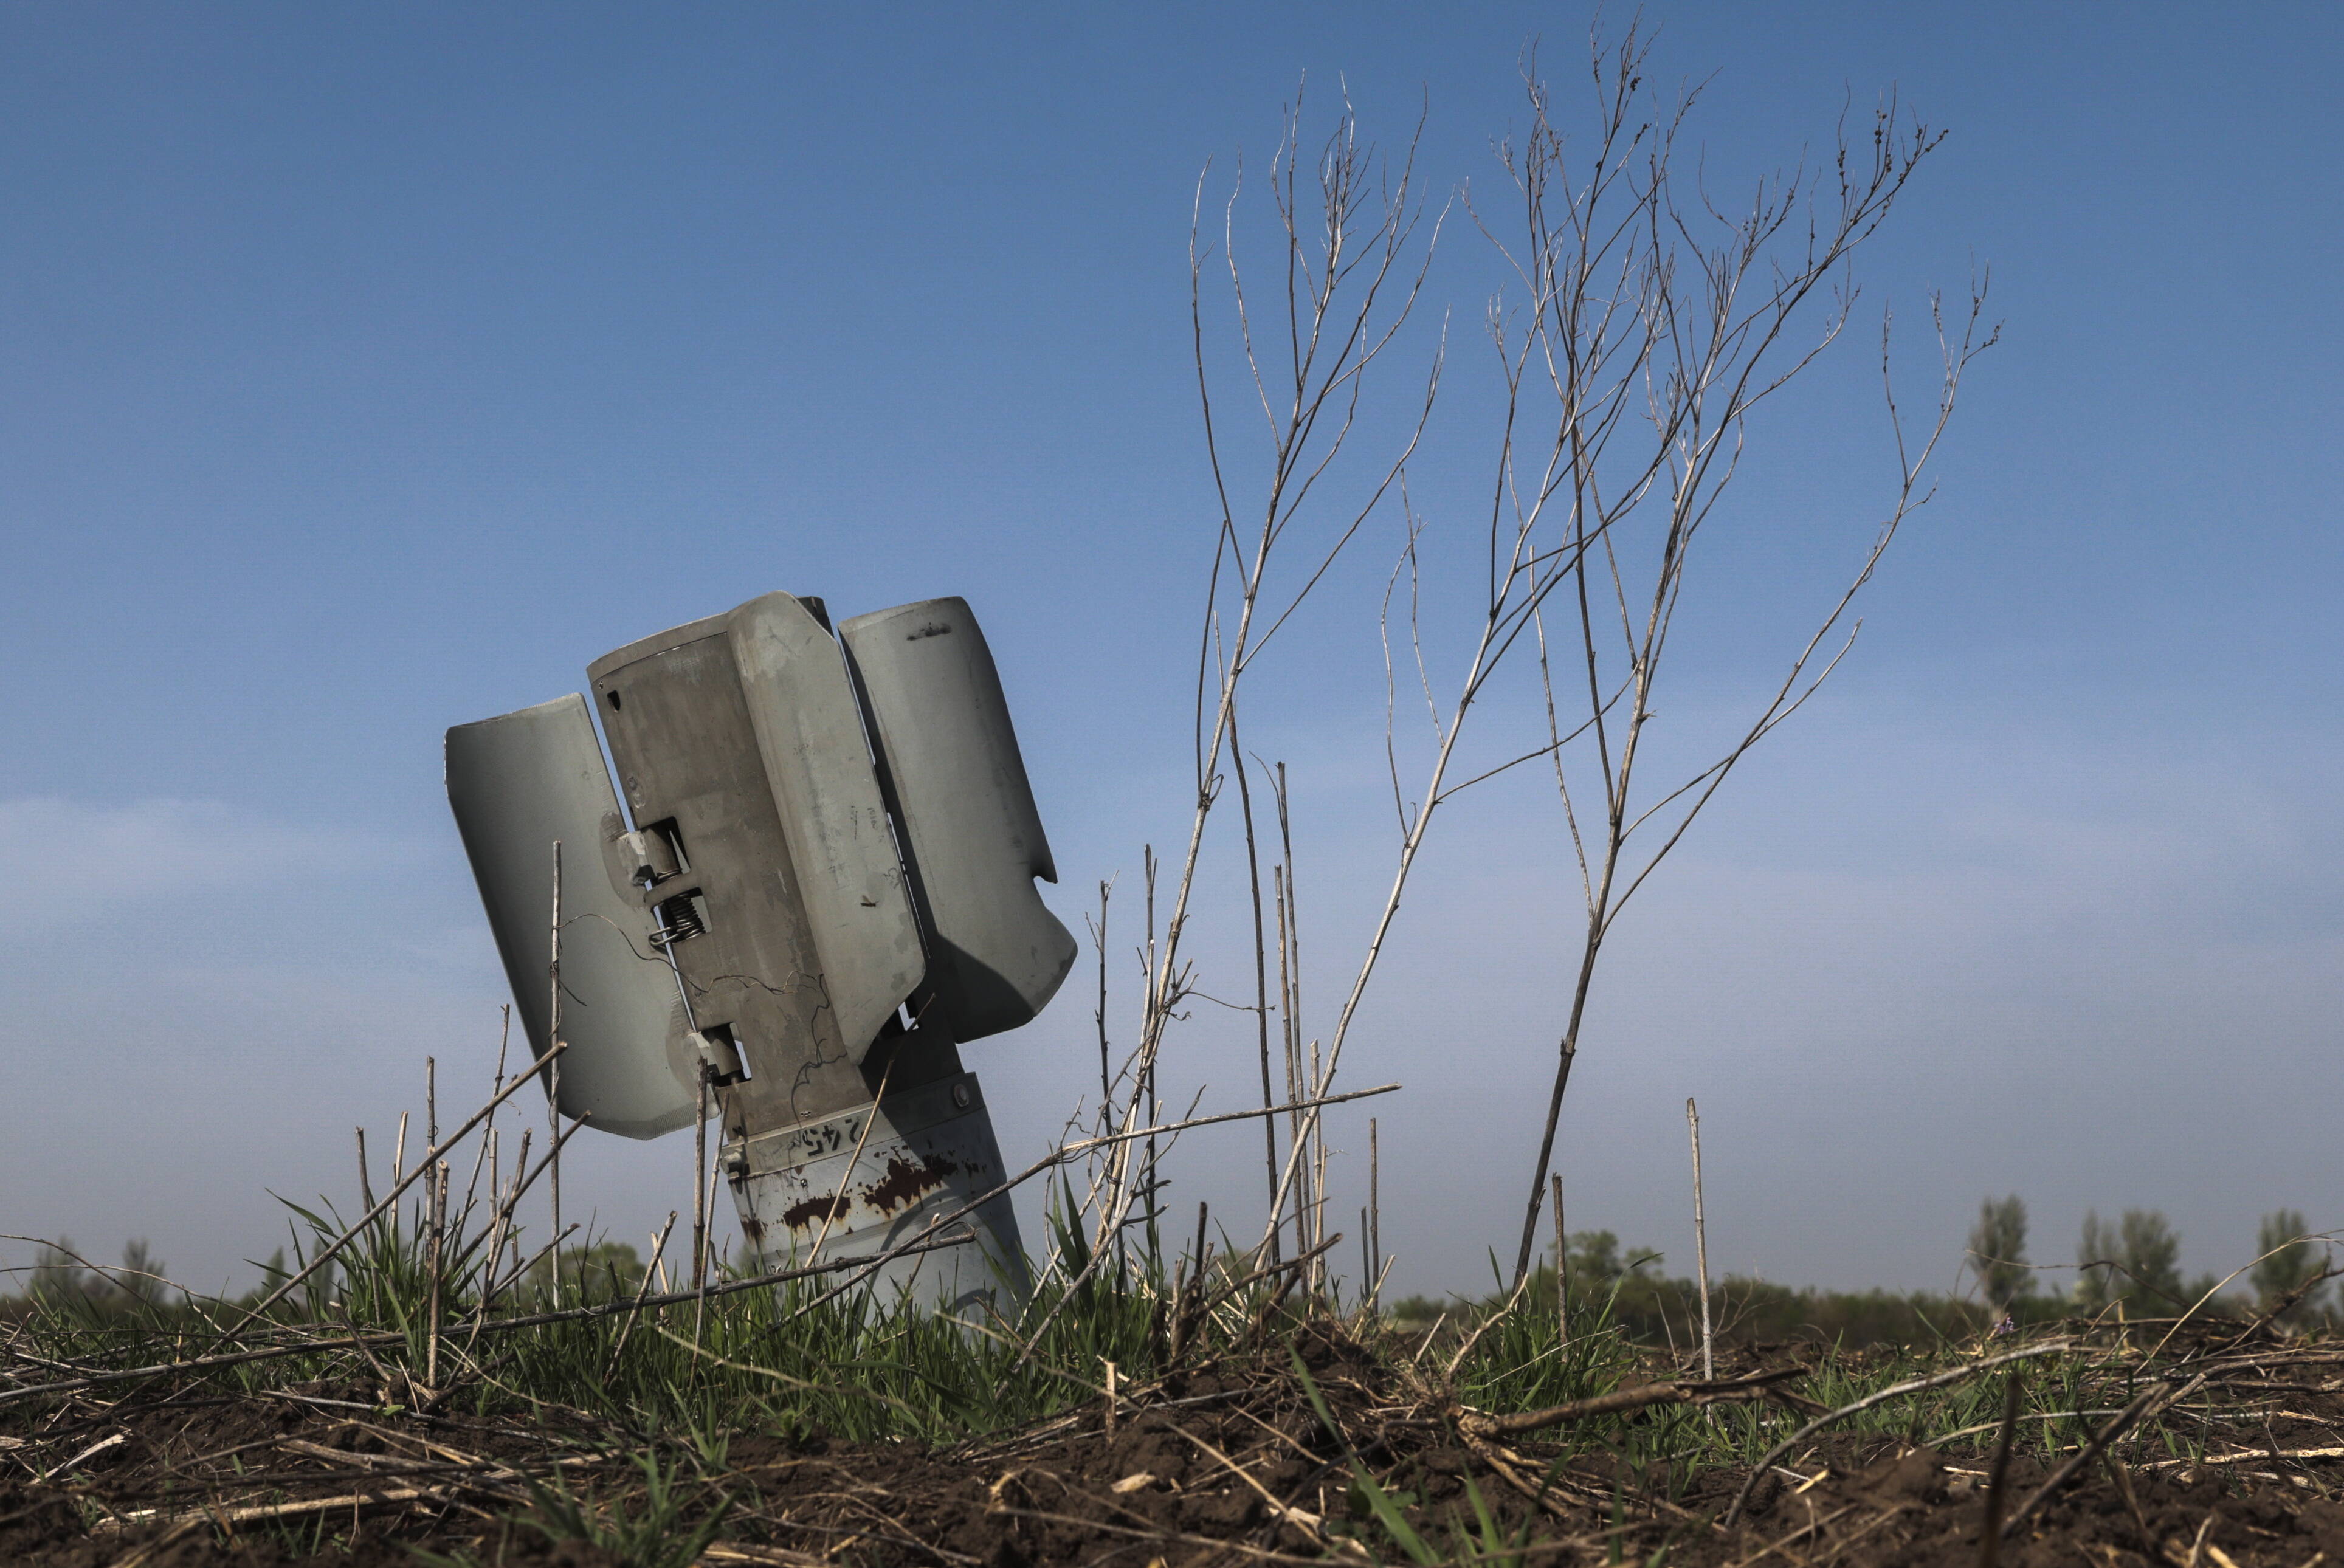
(367, 371)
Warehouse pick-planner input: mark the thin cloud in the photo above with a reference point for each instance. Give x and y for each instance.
(74, 861)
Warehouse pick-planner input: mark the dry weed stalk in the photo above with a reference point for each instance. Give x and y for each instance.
(1642, 326)
(1700, 1244)
(1352, 274)
(1652, 312)
(554, 1083)
(2013, 1393)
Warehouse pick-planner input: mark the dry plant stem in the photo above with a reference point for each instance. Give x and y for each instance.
(1188, 1294)
(2247, 1456)
(522, 1266)
(1294, 1090)
(260, 1510)
(1117, 1184)
(1336, 327)
(501, 1218)
(1260, 959)
(1098, 942)
(2013, 1387)
(1700, 1244)
(488, 1149)
(1289, 971)
(506, 1209)
(708, 1262)
(553, 1091)
(523, 1180)
(1375, 1216)
(1307, 1524)
(1734, 1389)
(1148, 1075)
(100, 1446)
(1562, 1272)
(2123, 1478)
(838, 1199)
(496, 1182)
(1630, 306)
(2148, 1405)
(1317, 1173)
(484, 1157)
(438, 1204)
(1878, 1397)
(659, 1250)
(700, 1165)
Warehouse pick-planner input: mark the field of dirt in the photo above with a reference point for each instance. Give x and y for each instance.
(1225, 1464)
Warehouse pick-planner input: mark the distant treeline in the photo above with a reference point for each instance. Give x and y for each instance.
(1630, 1290)
(2130, 1265)
(60, 1277)
(63, 1279)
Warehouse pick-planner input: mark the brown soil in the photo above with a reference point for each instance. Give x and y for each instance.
(1224, 1463)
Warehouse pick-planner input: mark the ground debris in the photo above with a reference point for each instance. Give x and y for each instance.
(1228, 1459)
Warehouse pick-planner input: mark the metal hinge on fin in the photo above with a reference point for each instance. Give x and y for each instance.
(646, 857)
(719, 1052)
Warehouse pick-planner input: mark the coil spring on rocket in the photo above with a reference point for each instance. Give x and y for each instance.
(679, 921)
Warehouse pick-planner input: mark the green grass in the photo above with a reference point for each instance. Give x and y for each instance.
(862, 1367)
(674, 1389)
(854, 1366)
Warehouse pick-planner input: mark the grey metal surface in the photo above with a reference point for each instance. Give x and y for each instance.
(677, 717)
(850, 878)
(973, 836)
(518, 783)
(815, 834)
(872, 1177)
(687, 758)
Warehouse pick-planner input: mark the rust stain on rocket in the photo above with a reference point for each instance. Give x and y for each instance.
(902, 1184)
(905, 1182)
(814, 1211)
